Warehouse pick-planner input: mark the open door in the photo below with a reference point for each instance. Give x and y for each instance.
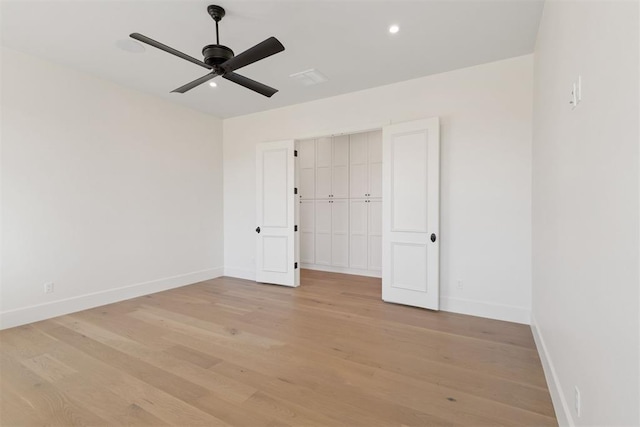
(411, 213)
(276, 236)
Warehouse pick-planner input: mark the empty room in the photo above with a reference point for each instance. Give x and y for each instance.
(320, 213)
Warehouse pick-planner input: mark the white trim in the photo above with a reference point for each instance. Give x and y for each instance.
(34, 313)
(343, 270)
(563, 412)
(239, 273)
(509, 313)
(345, 130)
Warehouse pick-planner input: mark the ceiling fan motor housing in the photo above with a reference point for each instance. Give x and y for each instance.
(216, 54)
(216, 12)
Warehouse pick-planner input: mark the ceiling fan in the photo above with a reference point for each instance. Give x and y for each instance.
(221, 60)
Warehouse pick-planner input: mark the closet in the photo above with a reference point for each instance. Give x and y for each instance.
(340, 191)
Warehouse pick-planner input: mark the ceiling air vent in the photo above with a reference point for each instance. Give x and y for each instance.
(309, 77)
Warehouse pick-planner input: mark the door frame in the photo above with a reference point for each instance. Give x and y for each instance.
(347, 130)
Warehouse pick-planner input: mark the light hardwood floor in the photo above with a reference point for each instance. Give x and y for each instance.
(232, 352)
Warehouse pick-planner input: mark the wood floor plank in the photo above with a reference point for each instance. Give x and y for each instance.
(113, 407)
(502, 360)
(232, 352)
(450, 373)
(236, 415)
(163, 380)
(352, 407)
(53, 405)
(226, 389)
(298, 367)
(100, 373)
(16, 411)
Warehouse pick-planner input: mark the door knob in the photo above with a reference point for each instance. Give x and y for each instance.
(258, 230)
(433, 237)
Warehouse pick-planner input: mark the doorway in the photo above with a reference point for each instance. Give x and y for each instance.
(364, 203)
(340, 203)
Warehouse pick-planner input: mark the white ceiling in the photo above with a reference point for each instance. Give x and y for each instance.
(348, 41)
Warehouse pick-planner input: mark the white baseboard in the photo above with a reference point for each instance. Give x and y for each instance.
(240, 274)
(34, 313)
(508, 313)
(562, 408)
(344, 270)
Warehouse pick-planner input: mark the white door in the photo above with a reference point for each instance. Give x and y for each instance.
(358, 153)
(323, 232)
(410, 214)
(307, 168)
(276, 214)
(323, 168)
(340, 167)
(375, 164)
(307, 231)
(340, 232)
(374, 234)
(358, 231)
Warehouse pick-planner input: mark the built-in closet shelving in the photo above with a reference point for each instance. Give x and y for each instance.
(341, 203)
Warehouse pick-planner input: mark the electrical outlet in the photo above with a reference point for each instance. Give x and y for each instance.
(460, 285)
(576, 402)
(48, 288)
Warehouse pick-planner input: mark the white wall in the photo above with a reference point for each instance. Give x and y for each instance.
(485, 116)
(107, 192)
(585, 210)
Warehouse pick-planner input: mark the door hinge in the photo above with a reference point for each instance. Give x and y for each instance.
(295, 228)
(295, 265)
(295, 190)
(295, 153)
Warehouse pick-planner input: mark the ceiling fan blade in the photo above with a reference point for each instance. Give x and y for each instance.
(262, 50)
(151, 42)
(196, 82)
(251, 84)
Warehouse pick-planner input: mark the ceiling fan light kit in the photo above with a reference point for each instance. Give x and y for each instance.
(221, 60)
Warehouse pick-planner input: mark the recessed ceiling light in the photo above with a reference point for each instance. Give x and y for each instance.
(394, 29)
(213, 84)
(130, 46)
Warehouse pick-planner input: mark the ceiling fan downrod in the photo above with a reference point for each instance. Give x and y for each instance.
(217, 13)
